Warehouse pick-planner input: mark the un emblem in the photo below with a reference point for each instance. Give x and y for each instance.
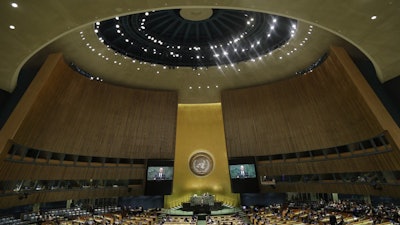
(201, 164)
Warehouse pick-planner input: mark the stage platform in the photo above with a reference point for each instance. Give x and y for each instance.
(180, 212)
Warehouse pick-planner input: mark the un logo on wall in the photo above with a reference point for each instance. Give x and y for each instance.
(201, 164)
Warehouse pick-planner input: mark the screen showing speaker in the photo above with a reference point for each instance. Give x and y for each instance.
(159, 177)
(160, 172)
(243, 175)
(242, 171)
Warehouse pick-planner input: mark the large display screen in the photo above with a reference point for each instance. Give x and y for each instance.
(242, 171)
(159, 177)
(160, 173)
(243, 174)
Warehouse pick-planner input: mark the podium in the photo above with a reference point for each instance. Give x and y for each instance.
(202, 204)
(202, 200)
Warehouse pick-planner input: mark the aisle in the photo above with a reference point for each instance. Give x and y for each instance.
(201, 222)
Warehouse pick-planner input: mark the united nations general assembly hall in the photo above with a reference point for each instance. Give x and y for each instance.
(200, 112)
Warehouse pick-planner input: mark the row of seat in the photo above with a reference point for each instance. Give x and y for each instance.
(10, 220)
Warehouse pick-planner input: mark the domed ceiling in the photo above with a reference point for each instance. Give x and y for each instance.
(197, 49)
(195, 37)
(196, 52)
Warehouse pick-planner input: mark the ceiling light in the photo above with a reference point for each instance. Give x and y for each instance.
(192, 55)
(14, 5)
(12, 27)
(373, 17)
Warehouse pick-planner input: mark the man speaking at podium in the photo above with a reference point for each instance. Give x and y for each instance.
(160, 175)
(242, 173)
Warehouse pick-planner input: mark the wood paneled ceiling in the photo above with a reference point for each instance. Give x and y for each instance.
(67, 26)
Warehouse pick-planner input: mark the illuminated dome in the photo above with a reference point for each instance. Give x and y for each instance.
(195, 37)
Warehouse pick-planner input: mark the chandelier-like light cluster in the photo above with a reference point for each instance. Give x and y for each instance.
(166, 38)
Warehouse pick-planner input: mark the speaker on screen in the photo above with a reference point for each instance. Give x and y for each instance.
(159, 177)
(243, 174)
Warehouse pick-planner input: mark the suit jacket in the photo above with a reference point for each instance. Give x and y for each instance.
(157, 176)
(244, 175)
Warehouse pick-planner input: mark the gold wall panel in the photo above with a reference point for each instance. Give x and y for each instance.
(200, 129)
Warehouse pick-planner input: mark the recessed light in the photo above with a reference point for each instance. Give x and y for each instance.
(373, 17)
(12, 27)
(14, 5)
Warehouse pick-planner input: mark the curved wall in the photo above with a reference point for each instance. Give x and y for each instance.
(72, 114)
(318, 110)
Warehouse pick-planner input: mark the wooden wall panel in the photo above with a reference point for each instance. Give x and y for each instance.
(321, 109)
(62, 195)
(25, 171)
(379, 162)
(23, 107)
(343, 188)
(75, 115)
